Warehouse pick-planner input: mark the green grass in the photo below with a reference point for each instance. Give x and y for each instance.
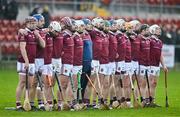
(9, 80)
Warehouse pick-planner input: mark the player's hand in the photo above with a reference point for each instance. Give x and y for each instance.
(23, 32)
(26, 65)
(117, 55)
(62, 53)
(36, 32)
(165, 69)
(46, 30)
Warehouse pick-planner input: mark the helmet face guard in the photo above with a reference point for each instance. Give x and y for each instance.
(66, 21)
(40, 19)
(55, 26)
(155, 30)
(31, 22)
(120, 24)
(80, 26)
(98, 22)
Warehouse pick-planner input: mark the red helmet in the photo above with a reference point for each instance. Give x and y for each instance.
(66, 21)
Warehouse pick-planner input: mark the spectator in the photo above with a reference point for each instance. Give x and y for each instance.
(169, 34)
(3, 4)
(36, 10)
(177, 50)
(46, 15)
(11, 10)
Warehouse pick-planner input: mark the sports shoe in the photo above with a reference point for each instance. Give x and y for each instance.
(96, 106)
(33, 108)
(42, 108)
(20, 109)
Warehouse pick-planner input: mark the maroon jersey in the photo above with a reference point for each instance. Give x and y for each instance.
(78, 49)
(104, 55)
(144, 51)
(155, 51)
(48, 50)
(57, 46)
(31, 46)
(135, 47)
(121, 46)
(128, 49)
(68, 47)
(112, 46)
(40, 50)
(96, 37)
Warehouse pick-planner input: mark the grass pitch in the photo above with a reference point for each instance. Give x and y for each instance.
(9, 80)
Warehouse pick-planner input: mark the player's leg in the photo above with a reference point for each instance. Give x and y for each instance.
(126, 83)
(94, 73)
(74, 84)
(104, 80)
(154, 74)
(20, 86)
(86, 87)
(135, 74)
(112, 88)
(66, 70)
(32, 93)
(57, 65)
(38, 71)
(127, 89)
(142, 83)
(32, 86)
(46, 83)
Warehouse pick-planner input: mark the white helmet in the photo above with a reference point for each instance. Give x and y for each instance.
(152, 29)
(120, 22)
(55, 26)
(134, 23)
(79, 23)
(97, 21)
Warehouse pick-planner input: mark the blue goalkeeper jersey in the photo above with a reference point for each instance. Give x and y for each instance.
(87, 50)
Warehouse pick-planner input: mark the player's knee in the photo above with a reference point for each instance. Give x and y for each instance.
(154, 84)
(142, 84)
(126, 85)
(106, 85)
(64, 85)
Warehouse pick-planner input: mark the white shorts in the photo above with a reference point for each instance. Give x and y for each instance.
(143, 70)
(56, 64)
(66, 69)
(21, 69)
(155, 71)
(128, 68)
(135, 67)
(47, 70)
(112, 68)
(120, 66)
(39, 62)
(104, 69)
(76, 69)
(95, 66)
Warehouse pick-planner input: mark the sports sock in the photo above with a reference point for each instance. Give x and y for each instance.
(32, 103)
(40, 103)
(18, 104)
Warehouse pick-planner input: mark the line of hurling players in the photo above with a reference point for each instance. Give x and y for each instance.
(110, 52)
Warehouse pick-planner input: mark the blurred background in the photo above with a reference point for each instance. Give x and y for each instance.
(166, 13)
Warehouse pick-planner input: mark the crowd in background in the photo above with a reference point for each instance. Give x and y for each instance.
(8, 9)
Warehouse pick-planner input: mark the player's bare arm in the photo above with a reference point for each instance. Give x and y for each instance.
(163, 64)
(24, 53)
(41, 41)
